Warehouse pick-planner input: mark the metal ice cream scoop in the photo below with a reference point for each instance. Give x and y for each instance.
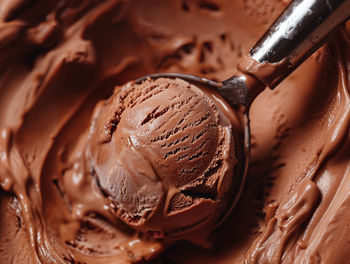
(296, 34)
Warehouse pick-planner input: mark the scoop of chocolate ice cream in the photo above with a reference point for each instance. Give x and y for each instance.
(165, 154)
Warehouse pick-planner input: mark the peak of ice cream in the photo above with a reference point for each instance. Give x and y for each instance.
(164, 154)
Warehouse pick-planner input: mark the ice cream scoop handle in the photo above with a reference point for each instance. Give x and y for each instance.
(299, 31)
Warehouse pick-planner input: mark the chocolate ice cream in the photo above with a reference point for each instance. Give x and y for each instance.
(166, 156)
(59, 58)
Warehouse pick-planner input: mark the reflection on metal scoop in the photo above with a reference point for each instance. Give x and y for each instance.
(234, 90)
(296, 34)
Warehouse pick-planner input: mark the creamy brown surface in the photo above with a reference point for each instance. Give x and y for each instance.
(59, 58)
